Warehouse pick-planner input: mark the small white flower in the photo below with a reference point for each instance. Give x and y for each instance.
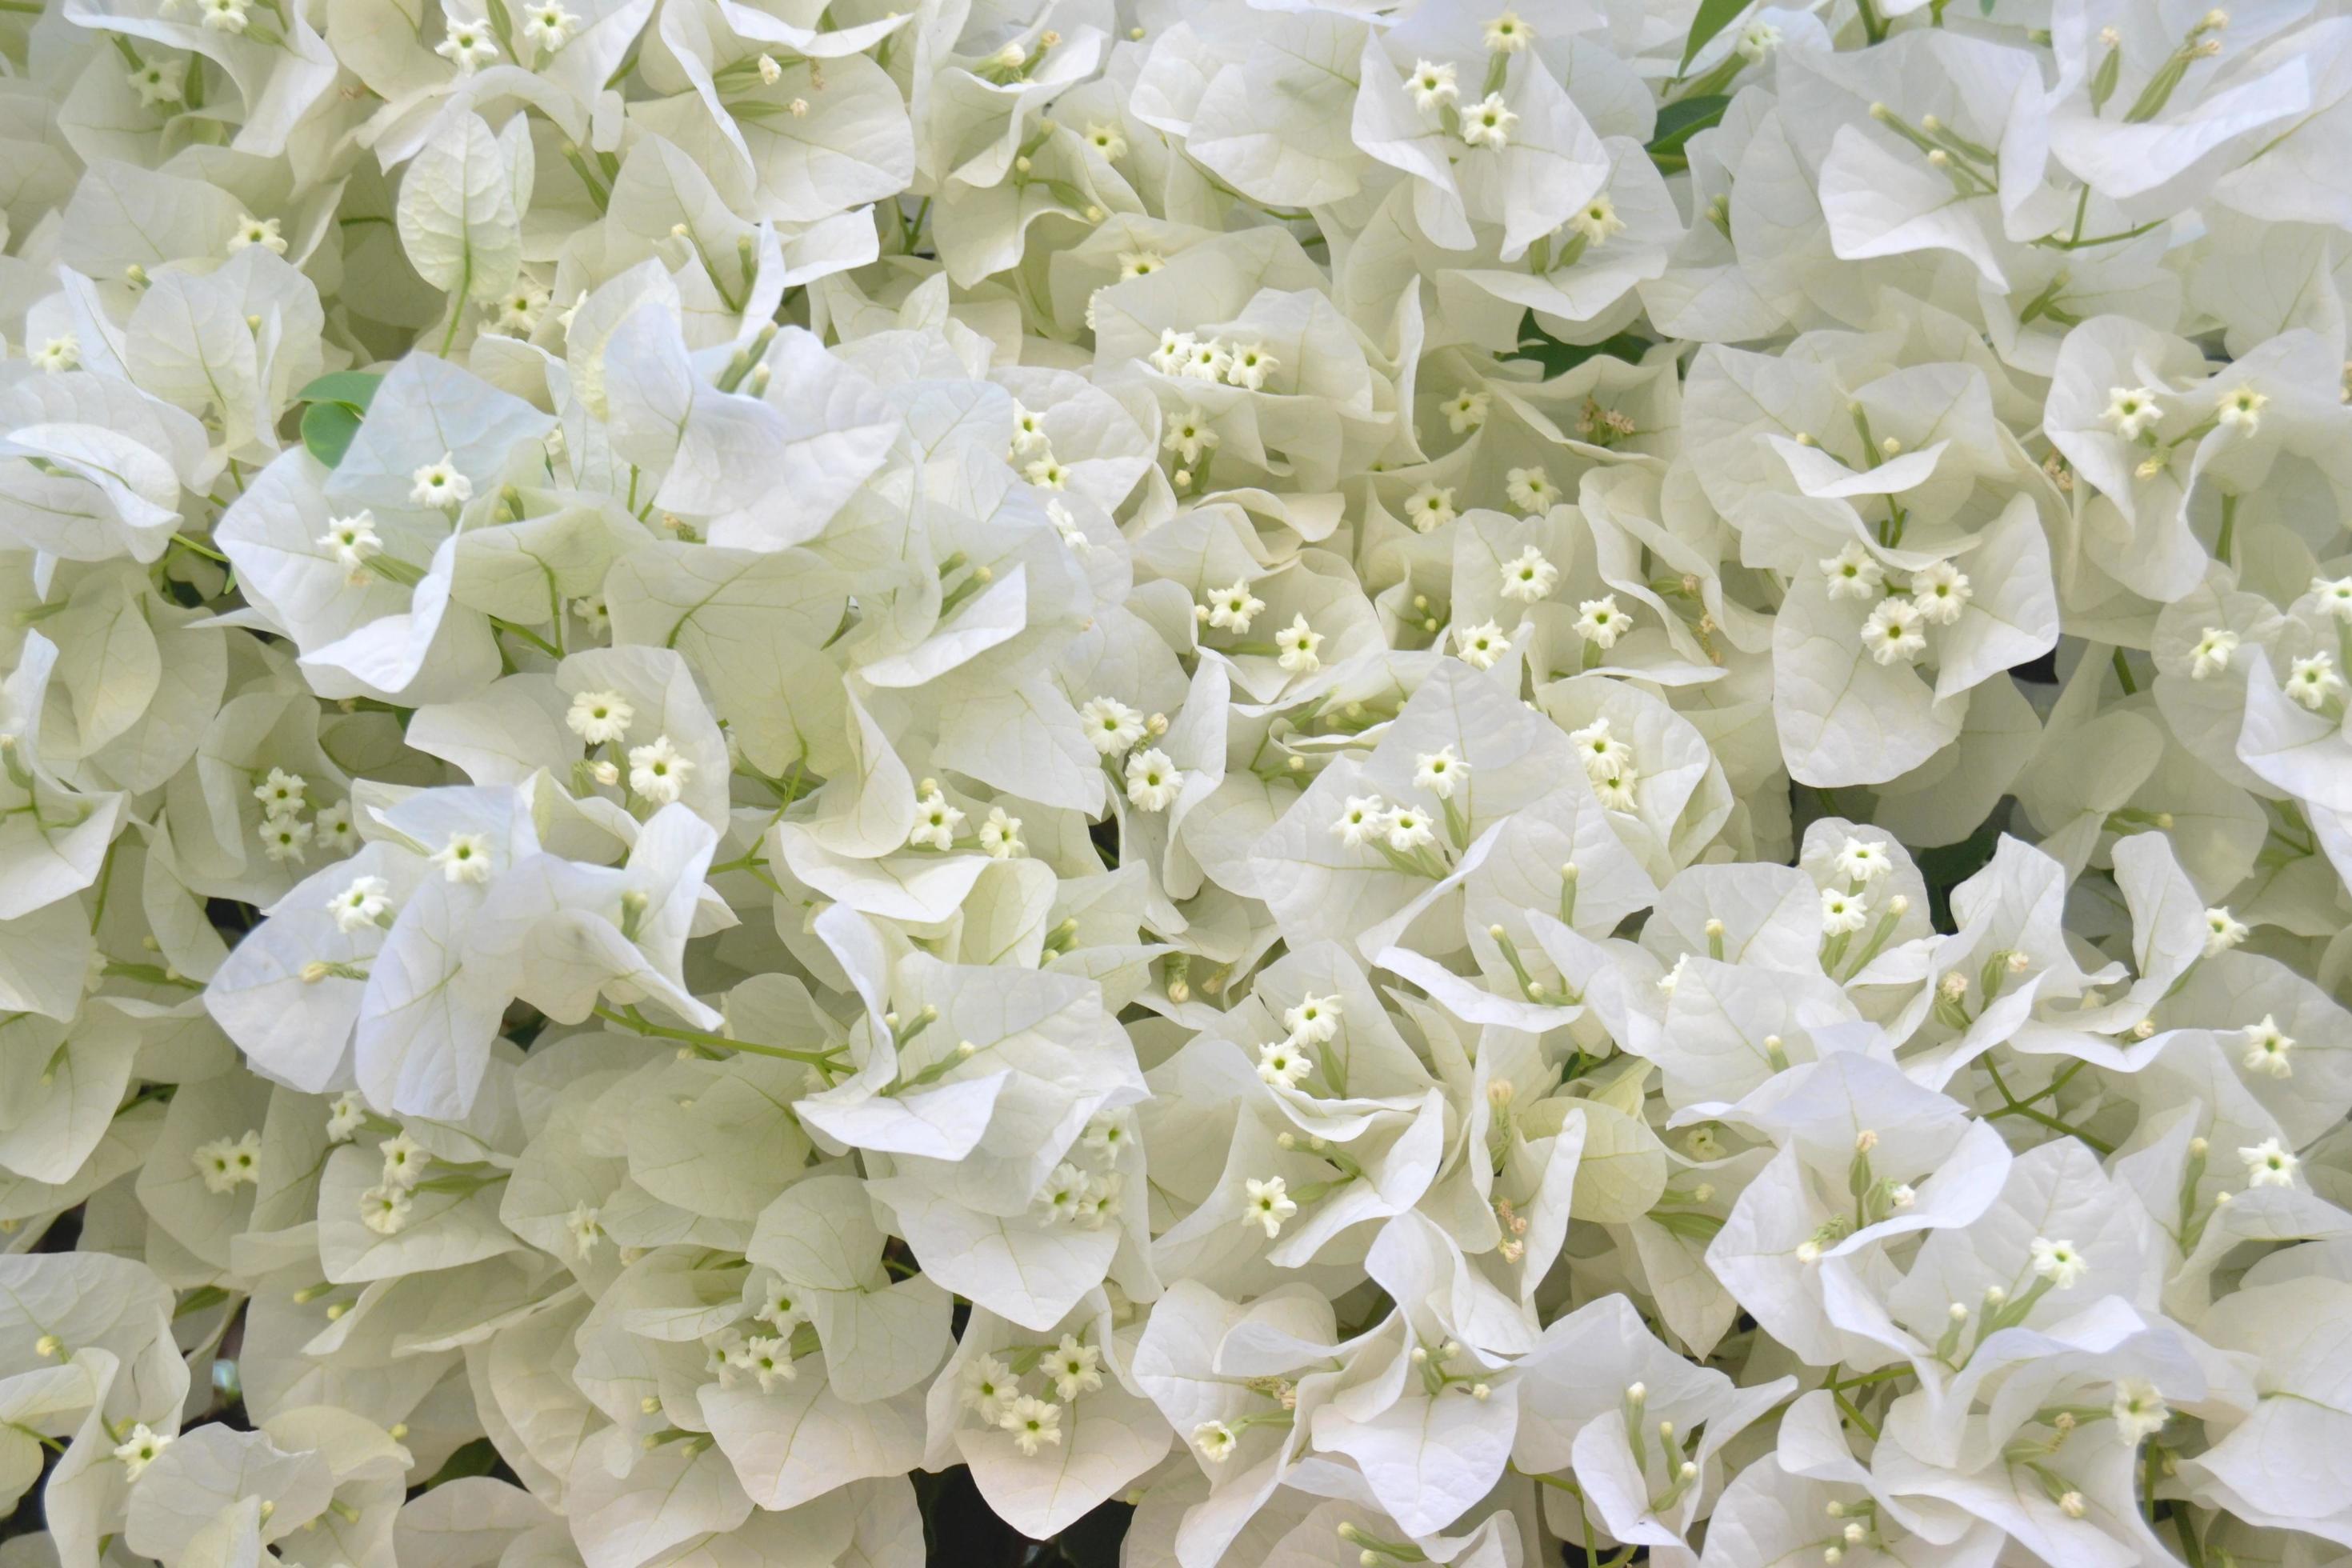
(1174, 347)
(2139, 1410)
(405, 1160)
(2131, 410)
(2242, 410)
(2269, 1165)
(935, 822)
(2222, 930)
(1028, 431)
(351, 540)
(772, 71)
(1111, 724)
(1066, 525)
(1315, 1020)
(1152, 781)
(228, 1163)
(769, 1359)
(1600, 623)
(1507, 35)
(1032, 1423)
(1853, 573)
(1863, 860)
(1941, 591)
(1249, 365)
(1231, 609)
(1617, 794)
(1407, 829)
(550, 25)
(1604, 756)
(2211, 655)
(159, 82)
(1208, 360)
(1000, 835)
(139, 1451)
(284, 838)
(225, 15)
(1757, 41)
(1530, 577)
(1438, 771)
(2312, 681)
(1364, 820)
(1076, 1368)
(1046, 473)
(2266, 1048)
(2335, 596)
(1668, 982)
(1109, 1132)
(260, 231)
(1843, 912)
(1433, 85)
(280, 793)
(1480, 645)
(2057, 1261)
(1214, 1439)
(1489, 121)
(468, 46)
(1530, 489)
(1466, 411)
(466, 857)
(361, 905)
(1429, 508)
(586, 1232)
(1268, 1204)
(60, 353)
(1189, 435)
(1596, 220)
(334, 825)
(1284, 1063)
(440, 485)
(986, 1386)
(600, 718)
(1892, 634)
(658, 771)
(1301, 647)
(345, 1116)
(386, 1210)
(1107, 140)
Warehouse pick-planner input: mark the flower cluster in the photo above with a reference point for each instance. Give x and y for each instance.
(1403, 780)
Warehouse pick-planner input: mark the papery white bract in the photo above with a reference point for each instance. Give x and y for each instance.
(1409, 782)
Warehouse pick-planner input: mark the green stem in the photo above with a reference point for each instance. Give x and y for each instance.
(639, 1023)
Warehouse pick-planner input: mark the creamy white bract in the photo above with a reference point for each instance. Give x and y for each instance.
(1412, 781)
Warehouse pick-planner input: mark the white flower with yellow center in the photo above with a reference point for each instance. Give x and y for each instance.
(2269, 1164)
(1892, 634)
(1000, 835)
(1231, 609)
(1941, 591)
(1433, 85)
(2312, 680)
(1153, 781)
(1528, 577)
(1843, 912)
(2211, 655)
(1853, 573)
(363, 903)
(2223, 930)
(440, 485)
(2267, 1045)
(140, 1449)
(1596, 221)
(1268, 1204)
(1110, 724)
(1600, 623)
(468, 46)
(2131, 410)
(1033, 1424)
(1301, 647)
(2057, 1261)
(1488, 122)
(659, 771)
(2242, 410)
(935, 822)
(260, 231)
(1466, 411)
(1531, 488)
(1249, 365)
(600, 718)
(1429, 508)
(1363, 820)
(466, 857)
(1480, 645)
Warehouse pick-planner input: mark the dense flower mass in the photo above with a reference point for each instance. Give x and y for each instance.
(1406, 781)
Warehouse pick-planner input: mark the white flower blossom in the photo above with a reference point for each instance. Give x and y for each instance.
(1480, 645)
(599, 718)
(1528, 578)
(2268, 1164)
(659, 771)
(1891, 635)
(1152, 781)
(1269, 1205)
(440, 485)
(1111, 725)
(1439, 772)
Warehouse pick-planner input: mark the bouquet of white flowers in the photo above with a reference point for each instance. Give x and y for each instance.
(1338, 782)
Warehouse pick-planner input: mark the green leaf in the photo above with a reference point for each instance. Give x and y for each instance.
(1559, 358)
(1684, 118)
(1714, 16)
(327, 429)
(355, 389)
(479, 1458)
